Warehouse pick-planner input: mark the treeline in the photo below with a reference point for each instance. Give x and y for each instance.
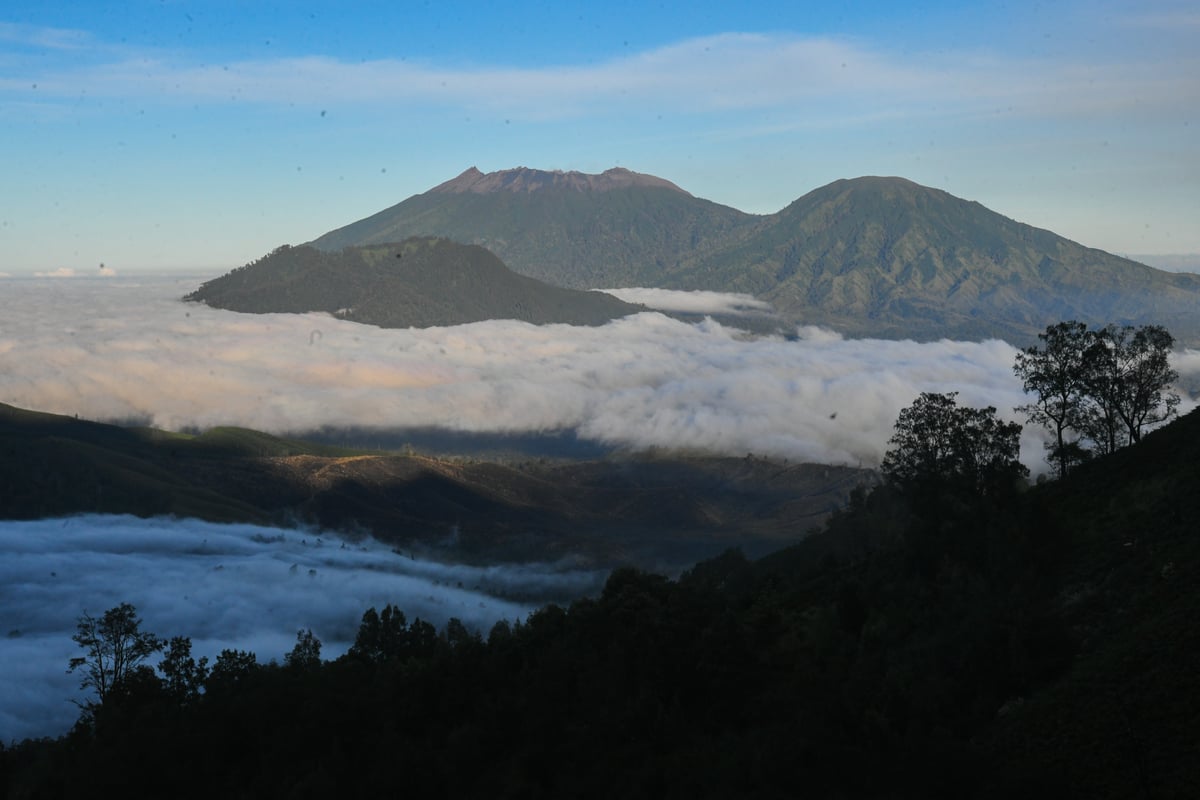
(731, 681)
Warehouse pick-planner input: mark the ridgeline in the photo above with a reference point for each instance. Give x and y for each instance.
(872, 256)
(418, 283)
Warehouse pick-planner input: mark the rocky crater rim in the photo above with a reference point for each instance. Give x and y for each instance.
(526, 180)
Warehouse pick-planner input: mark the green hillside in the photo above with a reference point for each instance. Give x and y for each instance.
(420, 282)
(885, 255)
(567, 229)
(872, 256)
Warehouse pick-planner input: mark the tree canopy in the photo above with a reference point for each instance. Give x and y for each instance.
(114, 648)
(1097, 390)
(939, 442)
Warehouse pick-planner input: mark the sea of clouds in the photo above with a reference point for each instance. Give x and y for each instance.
(127, 348)
(226, 586)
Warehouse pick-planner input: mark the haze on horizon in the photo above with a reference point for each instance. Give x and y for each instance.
(203, 135)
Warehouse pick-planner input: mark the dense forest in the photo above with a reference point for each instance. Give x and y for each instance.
(954, 632)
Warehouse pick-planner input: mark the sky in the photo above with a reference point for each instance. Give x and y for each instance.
(240, 587)
(183, 135)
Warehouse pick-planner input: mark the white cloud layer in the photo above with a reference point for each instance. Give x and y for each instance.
(127, 348)
(224, 586)
(699, 302)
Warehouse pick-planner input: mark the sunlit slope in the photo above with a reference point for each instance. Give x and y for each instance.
(664, 510)
(52, 465)
(420, 282)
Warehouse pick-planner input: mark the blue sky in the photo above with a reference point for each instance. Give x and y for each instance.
(152, 135)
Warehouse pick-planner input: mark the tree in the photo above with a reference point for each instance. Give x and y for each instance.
(1131, 372)
(232, 668)
(381, 637)
(1057, 374)
(114, 648)
(938, 442)
(307, 652)
(183, 676)
(1106, 386)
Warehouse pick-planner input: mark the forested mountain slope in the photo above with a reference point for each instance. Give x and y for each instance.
(871, 256)
(417, 283)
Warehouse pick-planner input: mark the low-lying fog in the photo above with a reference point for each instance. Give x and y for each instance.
(225, 586)
(127, 348)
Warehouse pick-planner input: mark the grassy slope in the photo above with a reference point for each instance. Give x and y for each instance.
(655, 512)
(51, 465)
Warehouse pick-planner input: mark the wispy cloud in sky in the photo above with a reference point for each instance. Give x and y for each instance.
(37, 36)
(715, 74)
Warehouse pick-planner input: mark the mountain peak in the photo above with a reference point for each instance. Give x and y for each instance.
(525, 180)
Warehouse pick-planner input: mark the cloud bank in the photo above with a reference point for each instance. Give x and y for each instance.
(700, 302)
(225, 586)
(127, 348)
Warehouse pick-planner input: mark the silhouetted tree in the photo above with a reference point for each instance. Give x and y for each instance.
(938, 442)
(114, 647)
(307, 652)
(381, 637)
(231, 669)
(183, 676)
(1057, 375)
(1130, 373)
(1106, 385)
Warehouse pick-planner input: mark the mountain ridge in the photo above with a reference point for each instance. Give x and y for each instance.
(651, 510)
(870, 256)
(524, 179)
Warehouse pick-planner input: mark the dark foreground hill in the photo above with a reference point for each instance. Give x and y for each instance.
(646, 511)
(871, 256)
(420, 282)
(937, 645)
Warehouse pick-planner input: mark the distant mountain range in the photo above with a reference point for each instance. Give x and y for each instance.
(421, 282)
(869, 256)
